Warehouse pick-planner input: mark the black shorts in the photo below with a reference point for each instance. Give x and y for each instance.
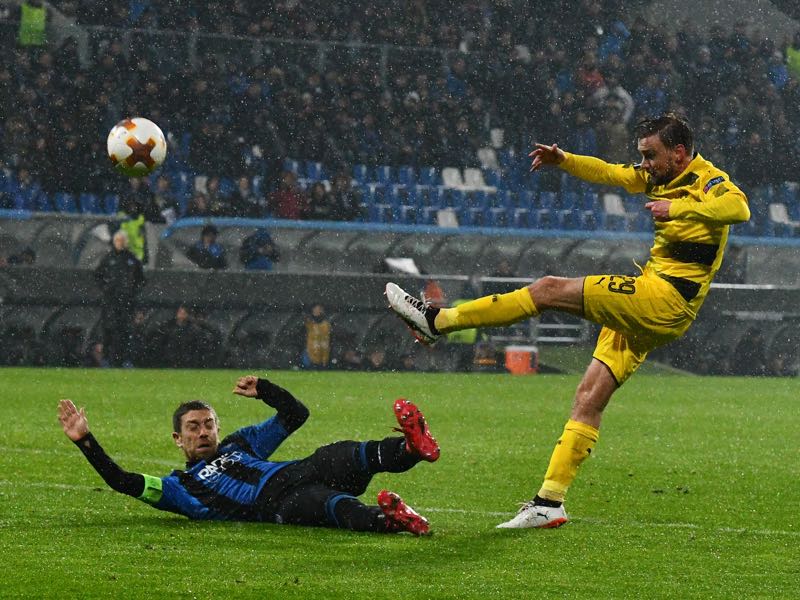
(301, 493)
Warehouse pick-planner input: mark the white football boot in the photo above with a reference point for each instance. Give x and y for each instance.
(532, 515)
(413, 311)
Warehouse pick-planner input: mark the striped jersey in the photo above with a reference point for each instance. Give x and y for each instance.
(229, 486)
(704, 203)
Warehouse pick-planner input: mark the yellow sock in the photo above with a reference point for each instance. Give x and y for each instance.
(572, 448)
(490, 311)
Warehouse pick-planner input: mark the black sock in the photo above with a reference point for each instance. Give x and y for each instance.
(545, 502)
(389, 456)
(353, 514)
(430, 317)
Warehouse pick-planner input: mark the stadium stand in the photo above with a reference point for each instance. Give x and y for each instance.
(427, 114)
(471, 110)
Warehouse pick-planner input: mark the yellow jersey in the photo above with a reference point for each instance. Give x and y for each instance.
(687, 250)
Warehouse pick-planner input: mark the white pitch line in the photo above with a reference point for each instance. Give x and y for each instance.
(495, 514)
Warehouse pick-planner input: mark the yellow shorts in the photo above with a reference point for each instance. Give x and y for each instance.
(638, 314)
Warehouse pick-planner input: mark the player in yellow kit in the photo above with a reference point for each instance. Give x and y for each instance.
(692, 204)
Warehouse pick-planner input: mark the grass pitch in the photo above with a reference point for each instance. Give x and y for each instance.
(692, 491)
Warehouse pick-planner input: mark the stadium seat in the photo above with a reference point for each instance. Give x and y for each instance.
(65, 202)
(614, 215)
(292, 165)
(568, 219)
(569, 200)
(779, 223)
(429, 201)
(21, 201)
(361, 174)
(451, 177)
(548, 200)
(383, 174)
(43, 202)
(406, 176)
(379, 202)
(590, 201)
(314, 171)
(497, 136)
(428, 176)
(111, 204)
(473, 178)
(89, 203)
(494, 178)
(488, 159)
(789, 195)
(404, 202)
(587, 220)
(523, 218)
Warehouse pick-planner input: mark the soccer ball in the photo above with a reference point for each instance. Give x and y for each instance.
(136, 146)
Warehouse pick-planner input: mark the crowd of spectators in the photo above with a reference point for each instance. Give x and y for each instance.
(543, 71)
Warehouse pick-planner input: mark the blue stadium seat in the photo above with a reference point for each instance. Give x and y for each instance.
(568, 219)
(523, 218)
(314, 171)
(289, 164)
(89, 203)
(476, 208)
(361, 174)
(65, 202)
(380, 203)
(494, 179)
(21, 200)
(497, 212)
(453, 198)
(406, 176)
(383, 174)
(587, 220)
(42, 202)
(111, 204)
(548, 200)
(590, 201)
(429, 201)
(788, 193)
(429, 176)
(404, 201)
(569, 200)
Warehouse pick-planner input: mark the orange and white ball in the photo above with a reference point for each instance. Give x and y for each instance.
(136, 146)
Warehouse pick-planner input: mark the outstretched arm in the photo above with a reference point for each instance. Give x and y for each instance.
(291, 412)
(588, 168)
(264, 438)
(76, 428)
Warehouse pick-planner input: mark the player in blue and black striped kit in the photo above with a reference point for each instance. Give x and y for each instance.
(235, 480)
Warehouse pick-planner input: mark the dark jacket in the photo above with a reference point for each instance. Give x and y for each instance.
(120, 276)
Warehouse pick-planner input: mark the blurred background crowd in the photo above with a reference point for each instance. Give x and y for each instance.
(241, 86)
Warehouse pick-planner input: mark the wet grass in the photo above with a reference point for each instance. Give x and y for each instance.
(691, 493)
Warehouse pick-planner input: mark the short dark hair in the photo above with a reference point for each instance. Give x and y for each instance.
(189, 406)
(672, 130)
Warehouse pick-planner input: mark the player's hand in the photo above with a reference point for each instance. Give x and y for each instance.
(546, 155)
(659, 209)
(73, 421)
(246, 386)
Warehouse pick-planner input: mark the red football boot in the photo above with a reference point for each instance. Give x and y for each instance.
(413, 426)
(400, 516)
